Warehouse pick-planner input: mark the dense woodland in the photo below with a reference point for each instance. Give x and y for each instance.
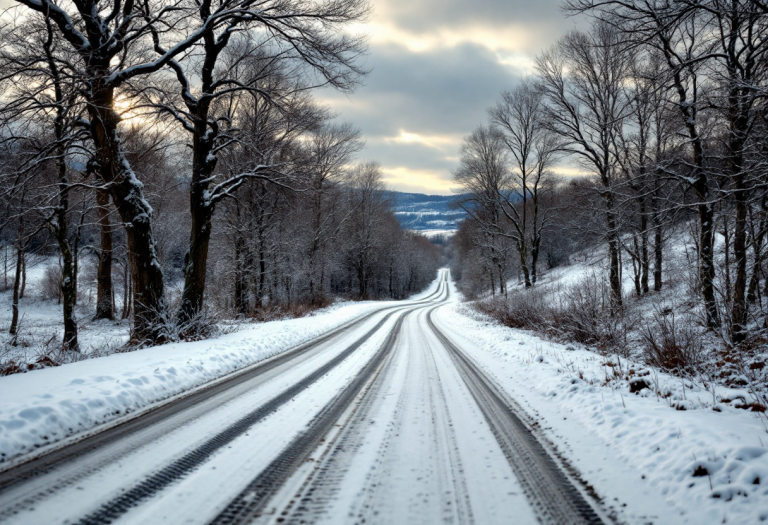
(171, 155)
(662, 105)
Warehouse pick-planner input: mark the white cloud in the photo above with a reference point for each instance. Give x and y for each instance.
(403, 178)
(439, 142)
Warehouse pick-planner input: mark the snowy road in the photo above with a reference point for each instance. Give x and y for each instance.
(383, 420)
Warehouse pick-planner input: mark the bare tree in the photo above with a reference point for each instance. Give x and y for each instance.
(714, 59)
(677, 31)
(330, 149)
(739, 69)
(587, 108)
(643, 146)
(486, 181)
(109, 43)
(303, 34)
(102, 37)
(105, 304)
(368, 203)
(42, 116)
(533, 147)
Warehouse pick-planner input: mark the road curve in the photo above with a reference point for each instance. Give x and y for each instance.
(433, 439)
(382, 420)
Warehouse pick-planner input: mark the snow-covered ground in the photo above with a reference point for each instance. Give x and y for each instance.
(42, 407)
(672, 453)
(679, 259)
(578, 294)
(40, 319)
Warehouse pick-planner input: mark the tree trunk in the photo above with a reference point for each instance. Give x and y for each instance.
(613, 255)
(76, 254)
(757, 247)
(524, 266)
(201, 205)
(262, 272)
(658, 253)
(313, 295)
(135, 212)
(23, 274)
(706, 212)
(644, 256)
(195, 264)
(739, 309)
(362, 280)
(61, 271)
(127, 292)
(16, 288)
(502, 281)
(105, 306)
(201, 211)
(68, 283)
(68, 294)
(637, 267)
(706, 264)
(727, 260)
(240, 302)
(535, 253)
(658, 250)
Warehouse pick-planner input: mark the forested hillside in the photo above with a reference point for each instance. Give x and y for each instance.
(430, 214)
(662, 106)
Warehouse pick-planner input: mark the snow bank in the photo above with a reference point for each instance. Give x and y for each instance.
(45, 406)
(666, 458)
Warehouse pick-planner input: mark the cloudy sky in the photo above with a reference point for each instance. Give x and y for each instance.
(437, 65)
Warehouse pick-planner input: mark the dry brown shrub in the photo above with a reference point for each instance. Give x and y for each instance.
(50, 286)
(671, 345)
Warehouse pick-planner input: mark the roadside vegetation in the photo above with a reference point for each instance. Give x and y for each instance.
(658, 251)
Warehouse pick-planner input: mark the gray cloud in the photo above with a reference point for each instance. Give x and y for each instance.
(435, 92)
(414, 156)
(426, 15)
(442, 91)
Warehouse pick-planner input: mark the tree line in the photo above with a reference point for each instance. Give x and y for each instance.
(663, 105)
(178, 142)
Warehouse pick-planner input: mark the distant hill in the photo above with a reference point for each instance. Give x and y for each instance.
(429, 214)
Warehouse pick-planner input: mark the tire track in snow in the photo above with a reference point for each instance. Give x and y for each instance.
(554, 497)
(412, 374)
(25, 484)
(422, 399)
(320, 484)
(154, 483)
(249, 503)
(33, 465)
